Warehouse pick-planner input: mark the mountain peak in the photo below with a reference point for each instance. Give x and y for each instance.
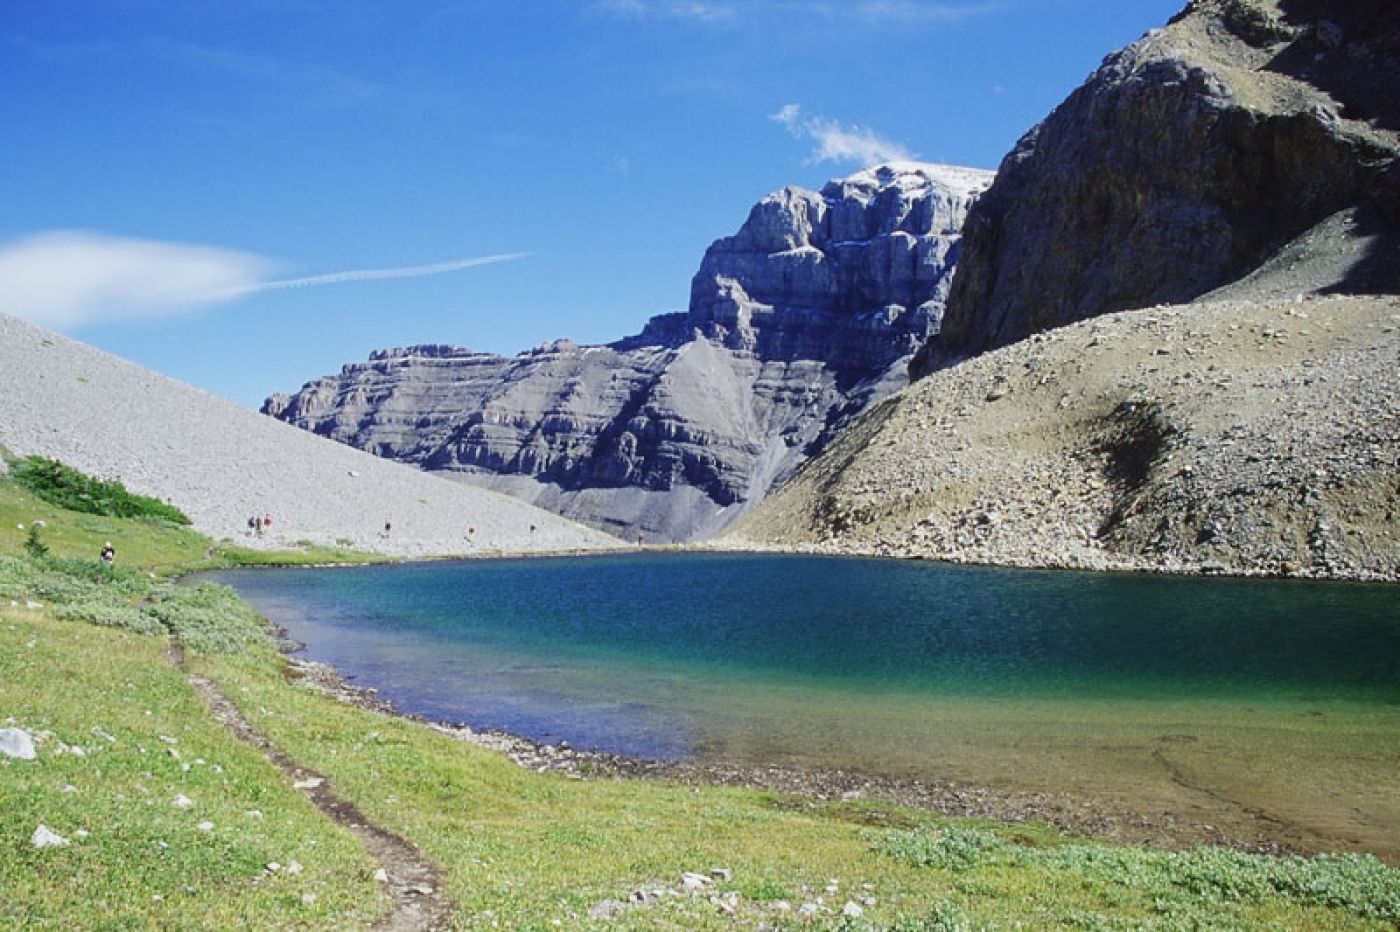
(916, 177)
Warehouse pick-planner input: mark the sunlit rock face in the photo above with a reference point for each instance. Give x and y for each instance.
(801, 320)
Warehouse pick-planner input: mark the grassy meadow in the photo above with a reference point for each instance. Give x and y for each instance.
(173, 822)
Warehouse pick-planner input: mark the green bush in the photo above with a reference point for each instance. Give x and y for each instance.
(66, 581)
(1194, 888)
(110, 614)
(66, 487)
(948, 847)
(1358, 883)
(123, 580)
(206, 617)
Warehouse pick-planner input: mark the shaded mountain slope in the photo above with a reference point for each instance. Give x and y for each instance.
(1187, 160)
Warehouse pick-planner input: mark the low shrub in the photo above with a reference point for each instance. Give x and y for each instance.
(206, 617)
(1181, 886)
(110, 614)
(948, 847)
(65, 487)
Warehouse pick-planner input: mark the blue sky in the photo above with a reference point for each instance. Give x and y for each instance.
(186, 184)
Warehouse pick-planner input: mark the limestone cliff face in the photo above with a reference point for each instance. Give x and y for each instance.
(1184, 162)
(796, 324)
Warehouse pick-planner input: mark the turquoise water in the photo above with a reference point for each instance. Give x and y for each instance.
(1267, 710)
(683, 655)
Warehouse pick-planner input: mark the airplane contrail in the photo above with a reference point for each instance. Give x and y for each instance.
(363, 275)
(68, 278)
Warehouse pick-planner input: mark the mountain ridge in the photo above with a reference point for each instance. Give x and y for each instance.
(797, 322)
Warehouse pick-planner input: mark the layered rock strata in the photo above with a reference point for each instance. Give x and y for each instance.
(1187, 160)
(796, 324)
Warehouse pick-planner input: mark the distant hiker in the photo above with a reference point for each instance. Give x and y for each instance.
(267, 522)
(109, 553)
(258, 526)
(252, 525)
(387, 528)
(532, 529)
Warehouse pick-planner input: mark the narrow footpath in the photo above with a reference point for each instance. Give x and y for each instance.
(411, 883)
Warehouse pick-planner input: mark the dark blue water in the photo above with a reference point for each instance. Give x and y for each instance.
(697, 654)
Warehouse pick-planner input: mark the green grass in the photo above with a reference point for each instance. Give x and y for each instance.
(144, 862)
(518, 849)
(66, 487)
(155, 546)
(305, 554)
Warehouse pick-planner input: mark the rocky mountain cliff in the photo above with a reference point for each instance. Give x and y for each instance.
(1244, 157)
(1187, 160)
(796, 324)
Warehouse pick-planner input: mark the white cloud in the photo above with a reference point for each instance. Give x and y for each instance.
(69, 278)
(836, 142)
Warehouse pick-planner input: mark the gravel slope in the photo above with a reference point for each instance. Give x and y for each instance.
(221, 463)
(1240, 436)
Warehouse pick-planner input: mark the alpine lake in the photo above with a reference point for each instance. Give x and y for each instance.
(1265, 709)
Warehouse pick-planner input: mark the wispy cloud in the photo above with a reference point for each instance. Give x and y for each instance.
(369, 275)
(908, 12)
(836, 142)
(321, 83)
(868, 12)
(314, 83)
(700, 11)
(69, 278)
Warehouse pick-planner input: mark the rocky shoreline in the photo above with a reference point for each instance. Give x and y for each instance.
(816, 788)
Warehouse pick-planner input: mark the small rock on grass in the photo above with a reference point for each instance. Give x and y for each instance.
(44, 837)
(17, 743)
(605, 910)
